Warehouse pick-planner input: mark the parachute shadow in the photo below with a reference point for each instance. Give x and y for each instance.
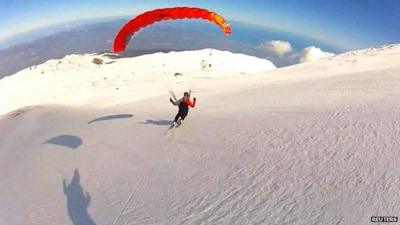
(78, 201)
(111, 117)
(158, 122)
(69, 141)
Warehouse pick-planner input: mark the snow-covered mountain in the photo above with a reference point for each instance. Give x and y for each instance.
(86, 79)
(85, 140)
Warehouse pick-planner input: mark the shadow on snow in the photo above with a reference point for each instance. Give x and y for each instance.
(111, 117)
(69, 141)
(158, 122)
(78, 201)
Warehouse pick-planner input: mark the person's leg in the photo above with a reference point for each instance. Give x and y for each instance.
(177, 117)
(184, 114)
(181, 114)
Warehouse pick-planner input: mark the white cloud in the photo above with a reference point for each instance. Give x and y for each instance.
(282, 53)
(278, 47)
(313, 53)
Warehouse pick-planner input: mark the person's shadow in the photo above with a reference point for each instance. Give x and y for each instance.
(77, 201)
(158, 122)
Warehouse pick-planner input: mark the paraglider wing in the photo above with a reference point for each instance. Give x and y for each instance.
(123, 36)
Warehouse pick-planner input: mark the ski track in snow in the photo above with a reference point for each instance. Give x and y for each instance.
(315, 143)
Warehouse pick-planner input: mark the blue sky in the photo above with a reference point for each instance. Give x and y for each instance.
(346, 24)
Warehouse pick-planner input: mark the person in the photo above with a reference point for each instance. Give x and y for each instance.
(184, 104)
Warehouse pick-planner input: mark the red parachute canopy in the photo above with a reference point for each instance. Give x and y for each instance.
(150, 17)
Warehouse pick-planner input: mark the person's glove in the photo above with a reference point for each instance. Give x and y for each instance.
(194, 99)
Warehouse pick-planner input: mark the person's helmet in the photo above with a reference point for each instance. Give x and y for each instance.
(186, 94)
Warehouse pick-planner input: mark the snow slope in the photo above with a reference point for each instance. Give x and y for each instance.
(314, 143)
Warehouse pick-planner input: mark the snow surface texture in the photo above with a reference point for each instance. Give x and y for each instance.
(314, 143)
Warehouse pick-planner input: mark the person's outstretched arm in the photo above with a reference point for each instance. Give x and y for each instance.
(189, 103)
(173, 102)
(64, 187)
